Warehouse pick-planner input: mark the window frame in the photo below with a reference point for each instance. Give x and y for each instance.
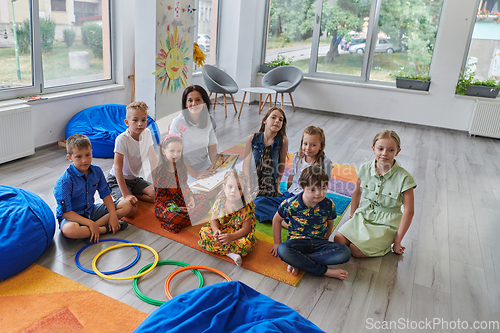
(199, 69)
(368, 57)
(469, 40)
(37, 65)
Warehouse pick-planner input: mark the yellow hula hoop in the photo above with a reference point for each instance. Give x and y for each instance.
(94, 262)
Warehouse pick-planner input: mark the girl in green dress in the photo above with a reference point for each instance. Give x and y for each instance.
(231, 229)
(377, 222)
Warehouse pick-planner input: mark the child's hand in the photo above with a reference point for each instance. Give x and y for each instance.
(225, 239)
(94, 233)
(216, 235)
(190, 204)
(274, 250)
(183, 210)
(113, 223)
(132, 198)
(205, 174)
(397, 248)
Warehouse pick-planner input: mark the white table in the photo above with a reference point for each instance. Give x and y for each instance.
(260, 91)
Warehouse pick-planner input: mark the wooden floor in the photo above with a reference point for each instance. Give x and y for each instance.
(450, 270)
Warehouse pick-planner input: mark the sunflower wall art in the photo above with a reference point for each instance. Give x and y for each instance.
(172, 62)
(175, 20)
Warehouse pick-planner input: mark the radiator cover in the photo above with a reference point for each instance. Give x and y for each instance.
(16, 133)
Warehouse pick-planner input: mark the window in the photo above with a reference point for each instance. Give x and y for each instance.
(58, 5)
(357, 40)
(51, 54)
(206, 29)
(483, 58)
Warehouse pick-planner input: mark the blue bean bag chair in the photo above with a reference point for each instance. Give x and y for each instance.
(27, 226)
(102, 124)
(225, 307)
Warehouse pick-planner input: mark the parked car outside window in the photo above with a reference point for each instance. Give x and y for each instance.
(344, 45)
(383, 46)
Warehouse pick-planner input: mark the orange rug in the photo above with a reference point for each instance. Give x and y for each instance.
(39, 300)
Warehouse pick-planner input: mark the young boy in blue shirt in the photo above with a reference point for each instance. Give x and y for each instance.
(311, 215)
(74, 191)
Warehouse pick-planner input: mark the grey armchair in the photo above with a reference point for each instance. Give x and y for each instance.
(283, 79)
(219, 82)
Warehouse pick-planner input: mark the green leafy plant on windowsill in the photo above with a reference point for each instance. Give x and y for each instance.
(468, 79)
(280, 61)
(404, 75)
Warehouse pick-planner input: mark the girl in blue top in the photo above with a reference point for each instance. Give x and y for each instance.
(269, 148)
(311, 152)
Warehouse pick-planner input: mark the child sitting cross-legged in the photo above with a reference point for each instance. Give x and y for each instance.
(132, 147)
(231, 229)
(175, 205)
(74, 191)
(311, 215)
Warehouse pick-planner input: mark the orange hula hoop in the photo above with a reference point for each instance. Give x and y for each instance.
(187, 268)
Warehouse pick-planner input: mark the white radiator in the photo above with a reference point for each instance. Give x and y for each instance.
(486, 119)
(16, 133)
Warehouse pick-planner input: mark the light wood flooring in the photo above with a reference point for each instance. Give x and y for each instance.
(450, 270)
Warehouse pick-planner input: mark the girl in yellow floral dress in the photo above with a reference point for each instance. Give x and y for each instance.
(231, 229)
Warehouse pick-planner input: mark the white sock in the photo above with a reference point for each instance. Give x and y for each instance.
(236, 257)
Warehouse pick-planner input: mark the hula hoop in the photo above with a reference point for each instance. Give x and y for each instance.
(94, 262)
(151, 301)
(182, 269)
(77, 257)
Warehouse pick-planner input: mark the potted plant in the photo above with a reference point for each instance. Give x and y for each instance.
(469, 85)
(412, 81)
(279, 61)
(415, 73)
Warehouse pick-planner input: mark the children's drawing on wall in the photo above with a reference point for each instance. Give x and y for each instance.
(172, 61)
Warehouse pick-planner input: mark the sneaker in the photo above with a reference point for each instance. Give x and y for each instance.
(123, 225)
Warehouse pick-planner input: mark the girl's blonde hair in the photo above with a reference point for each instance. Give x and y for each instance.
(282, 131)
(320, 156)
(241, 180)
(388, 134)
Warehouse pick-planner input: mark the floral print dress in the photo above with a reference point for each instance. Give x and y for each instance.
(229, 223)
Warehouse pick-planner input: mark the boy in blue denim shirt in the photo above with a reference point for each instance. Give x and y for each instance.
(311, 215)
(74, 192)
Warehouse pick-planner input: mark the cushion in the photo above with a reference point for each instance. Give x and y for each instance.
(102, 124)
(27, 227)
(225, 307)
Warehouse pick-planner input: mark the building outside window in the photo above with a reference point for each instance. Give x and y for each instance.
(61, 45)
(483, 57)
(206, 29)
(356, 40)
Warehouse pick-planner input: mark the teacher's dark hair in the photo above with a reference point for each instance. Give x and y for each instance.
(185, 111)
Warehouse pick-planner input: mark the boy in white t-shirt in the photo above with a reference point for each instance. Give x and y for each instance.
(132, 147)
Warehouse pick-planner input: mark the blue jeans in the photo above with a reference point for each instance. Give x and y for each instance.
(266, 207)
(313, 255)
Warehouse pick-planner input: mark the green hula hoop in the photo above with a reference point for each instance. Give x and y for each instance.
(151, 301)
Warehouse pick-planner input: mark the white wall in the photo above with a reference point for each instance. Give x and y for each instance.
(439, 108)
(240, 40)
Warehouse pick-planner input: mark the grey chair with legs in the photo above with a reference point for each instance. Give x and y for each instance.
(283, 80)
(219, 82)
